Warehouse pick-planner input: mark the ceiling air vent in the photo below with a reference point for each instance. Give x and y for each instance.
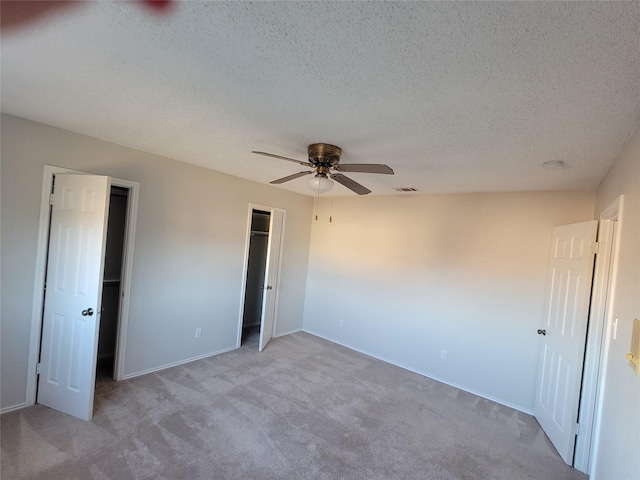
(406, 189)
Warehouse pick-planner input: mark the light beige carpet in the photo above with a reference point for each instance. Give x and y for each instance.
(304, 408)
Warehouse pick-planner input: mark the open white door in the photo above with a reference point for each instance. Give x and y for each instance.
(73, 291)
(269, 294)
(564, 334)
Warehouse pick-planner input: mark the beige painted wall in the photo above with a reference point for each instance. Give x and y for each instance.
(618, 455)
(189, 251)
(411, 276)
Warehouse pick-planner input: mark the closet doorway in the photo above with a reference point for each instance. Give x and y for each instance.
(262, 273)
(112, 282)
(74, 201)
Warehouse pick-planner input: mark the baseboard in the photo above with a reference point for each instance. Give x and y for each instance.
(333, 340)
(419, 372)
(13, 408)
(138, 374)
(288, 333)
(175, 364)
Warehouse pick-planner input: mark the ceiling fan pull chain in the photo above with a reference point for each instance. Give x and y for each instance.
(317, 203)
(331, 209)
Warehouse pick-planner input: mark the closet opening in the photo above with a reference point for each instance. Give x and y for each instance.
(96, 284)
(256, 278)
(112, 284)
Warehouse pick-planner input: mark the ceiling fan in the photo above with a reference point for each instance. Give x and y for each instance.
(324, 159)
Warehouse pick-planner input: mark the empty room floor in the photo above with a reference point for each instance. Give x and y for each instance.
(305, 408)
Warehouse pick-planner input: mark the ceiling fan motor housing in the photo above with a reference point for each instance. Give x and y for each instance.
(324, 154)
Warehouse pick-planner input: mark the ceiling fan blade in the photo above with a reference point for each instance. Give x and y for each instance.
(306, 164)
(364, 168)
(290, 177)
(350, 184)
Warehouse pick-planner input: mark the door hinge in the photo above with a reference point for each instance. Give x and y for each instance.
(51, 199)
(38, 366)
(577, 429)
(595, 247)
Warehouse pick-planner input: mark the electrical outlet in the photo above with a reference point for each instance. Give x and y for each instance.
(342, 322)
(443, 354)
(198, 332)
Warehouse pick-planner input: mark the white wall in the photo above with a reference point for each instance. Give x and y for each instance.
(408, 275)
(189, 252)
(618, 455)
(413, 275)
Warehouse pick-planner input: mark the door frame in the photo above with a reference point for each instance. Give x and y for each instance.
(40, 275)
(264, 208)
(598, 337)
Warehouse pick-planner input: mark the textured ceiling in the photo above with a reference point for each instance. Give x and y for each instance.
(455, 97)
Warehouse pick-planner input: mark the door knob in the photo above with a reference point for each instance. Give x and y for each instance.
(87, 312)
(542, 332)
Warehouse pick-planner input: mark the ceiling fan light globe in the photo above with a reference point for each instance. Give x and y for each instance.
(320, 184)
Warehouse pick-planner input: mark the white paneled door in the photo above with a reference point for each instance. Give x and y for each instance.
(564, 334)
(271, 277)
(71, 316)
